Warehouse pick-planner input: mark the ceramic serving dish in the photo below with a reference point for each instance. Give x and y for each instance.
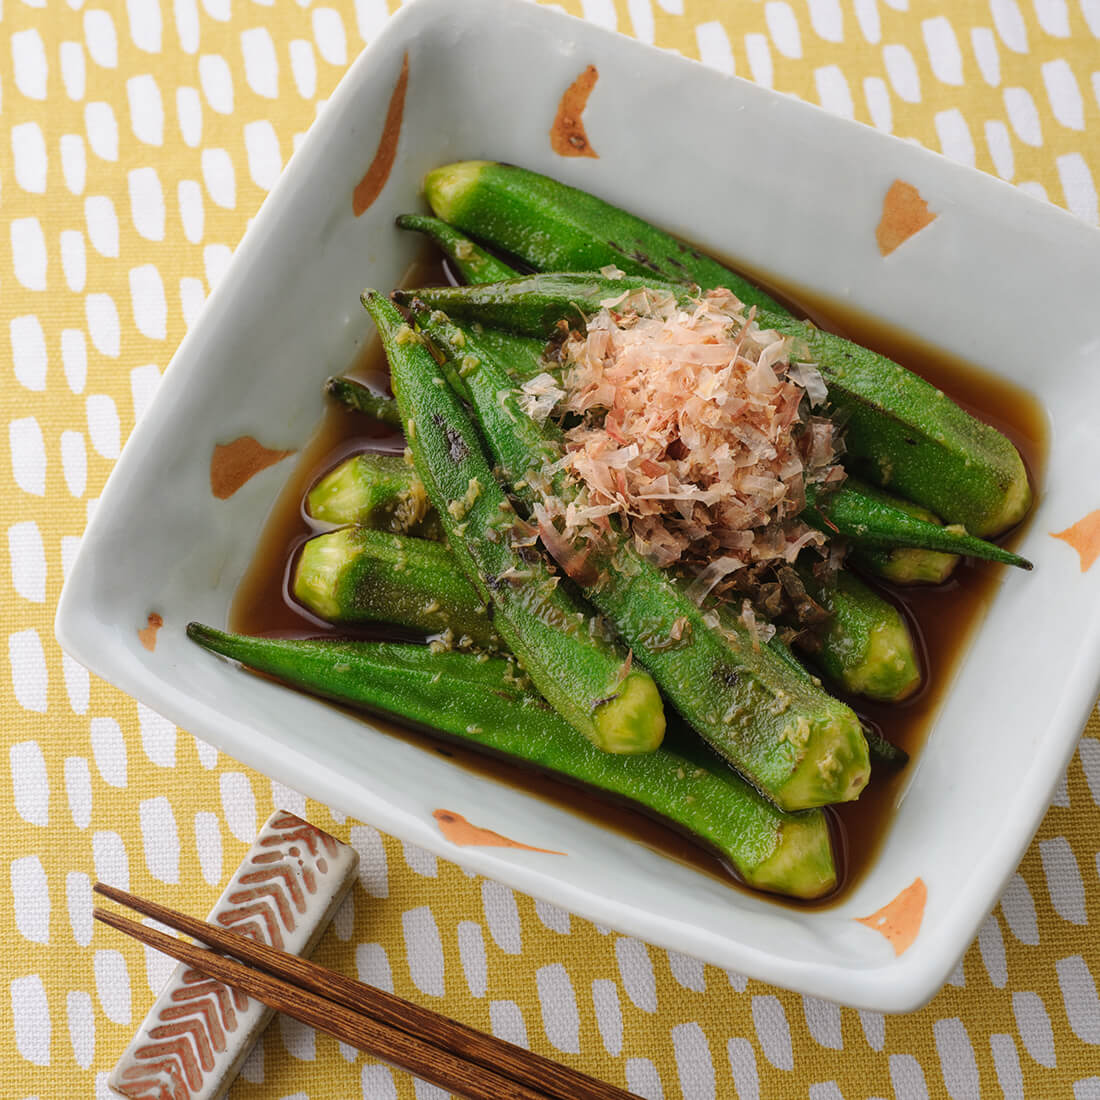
(996, 277)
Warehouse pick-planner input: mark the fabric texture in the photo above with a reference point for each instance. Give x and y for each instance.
(136, 139)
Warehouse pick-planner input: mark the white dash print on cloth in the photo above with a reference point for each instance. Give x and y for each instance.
(502, 916)
(471, 953)
(1079, 994)
(28, 149)
(31, 899)
(960, 1071)
(1034, 1026)
(558, 1002)
(506, 1022)
(373, 966)
(112, 865)
(636, 972)
(687, 971)
(1006, 1061)
(773, 1031)
(643, 1080)
(30, 1016)
(1063, 876)
(28, 562)
(78, 789)
(742, 1060)
(609, 1015)
(424, 950)
(693, 1062)
(80, 1014)
(823, 1020)
(78, 899)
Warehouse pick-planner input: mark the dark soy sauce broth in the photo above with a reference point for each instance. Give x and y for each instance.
(943, 617)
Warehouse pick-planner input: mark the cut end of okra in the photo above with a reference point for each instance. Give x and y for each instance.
(802, 864)
(319, 573)
(1011, 507)
(626, 722)
(341, 495)
(446, 187)
(380, 491)
(909, 566)
(905, 565)
(889, 669)
(835, 764)
(358, 575)
(867, 646)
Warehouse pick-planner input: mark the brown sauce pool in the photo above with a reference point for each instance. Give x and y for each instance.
(943, 617)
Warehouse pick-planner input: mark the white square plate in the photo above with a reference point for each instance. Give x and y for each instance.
(1004, 281)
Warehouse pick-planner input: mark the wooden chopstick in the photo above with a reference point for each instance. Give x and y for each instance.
(475, 1063)
(403, 1050)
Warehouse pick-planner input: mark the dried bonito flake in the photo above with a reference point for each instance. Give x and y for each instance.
(695, 428)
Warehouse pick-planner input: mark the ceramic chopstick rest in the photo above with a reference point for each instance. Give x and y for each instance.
(199, 1031)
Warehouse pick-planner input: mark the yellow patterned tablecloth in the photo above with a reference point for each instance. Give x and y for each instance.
(136, 139)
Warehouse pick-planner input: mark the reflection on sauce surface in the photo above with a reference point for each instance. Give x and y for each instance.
(943, 617)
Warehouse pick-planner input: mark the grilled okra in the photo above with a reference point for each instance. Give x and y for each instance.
(484, 703)
(874, 519)
(903, 565)
(564, 647)
(866, 647)
(359, 398)
(376, 490)
(344, 589)
(791, 740)
(357, 575)
(470, 260)
(554, 227)
(905, 433)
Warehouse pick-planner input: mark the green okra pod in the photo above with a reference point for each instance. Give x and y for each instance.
(903, 565)
(483, 703)
(795, 743)
(857, 511)
(564, 647)
(911, 438)
(355, 396)
(376, 490)
(901, 431)
(357, 575)
(866, 646)
(554, 227)
(470, 260)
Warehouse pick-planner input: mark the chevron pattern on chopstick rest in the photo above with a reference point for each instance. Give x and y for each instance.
(199, 1031)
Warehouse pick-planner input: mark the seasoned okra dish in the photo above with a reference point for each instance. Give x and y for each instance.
(638, 496)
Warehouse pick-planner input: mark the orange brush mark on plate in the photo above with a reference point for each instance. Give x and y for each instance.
(459, 831)
(232, 464)
(148, 633)
(374, 179)
(1084, 537)
(899, 920)
(567, 136)
(904, 213)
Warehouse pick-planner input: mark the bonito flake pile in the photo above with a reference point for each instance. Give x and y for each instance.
(696, 430)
